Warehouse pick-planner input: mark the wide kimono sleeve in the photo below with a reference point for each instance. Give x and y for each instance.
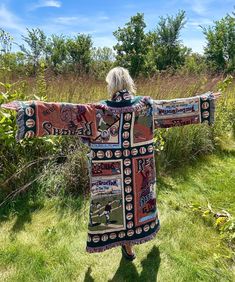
(184, 111)
(38, 118)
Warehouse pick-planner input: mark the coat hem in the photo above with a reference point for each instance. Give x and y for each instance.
(116, 244)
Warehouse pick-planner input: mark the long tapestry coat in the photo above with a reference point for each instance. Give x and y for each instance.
(123, 204)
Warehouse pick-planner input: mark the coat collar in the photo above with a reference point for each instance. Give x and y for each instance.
(122, 95)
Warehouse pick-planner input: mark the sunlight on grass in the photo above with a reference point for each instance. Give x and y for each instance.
(51, 245)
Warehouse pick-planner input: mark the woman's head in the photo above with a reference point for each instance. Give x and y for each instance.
(118, 79)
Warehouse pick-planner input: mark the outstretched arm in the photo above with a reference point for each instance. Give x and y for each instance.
(38, 118)
(183, 111)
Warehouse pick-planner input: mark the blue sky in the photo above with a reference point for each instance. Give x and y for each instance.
(100, 18)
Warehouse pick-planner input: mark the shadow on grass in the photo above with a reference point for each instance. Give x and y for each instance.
(127, 271)
(21, 209)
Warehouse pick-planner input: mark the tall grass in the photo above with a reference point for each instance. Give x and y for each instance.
(174, 147)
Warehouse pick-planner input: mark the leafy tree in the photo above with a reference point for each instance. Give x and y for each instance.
(103, 60)
(80, 52)
(167, 48)
(36, 41)
(56, 52)
(220, 48)
(131, 47)
(5, 42)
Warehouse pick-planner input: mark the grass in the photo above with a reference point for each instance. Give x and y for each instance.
(43, 235)
(45, 240)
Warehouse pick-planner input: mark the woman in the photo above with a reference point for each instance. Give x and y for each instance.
(123, 209)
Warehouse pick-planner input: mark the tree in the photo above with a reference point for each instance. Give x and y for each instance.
(56, 52)
(131, 47)
(102, 61)
(36, 41)
(80, 52)
(220, 48)
(5, 42)
(167, 48)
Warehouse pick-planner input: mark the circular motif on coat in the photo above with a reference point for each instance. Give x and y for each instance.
(126, 125)
(150, 148)
(142, 150)
(134, 152)
(96, 239)
(129, 216)
(127, 117)
(127, 180)
(126, 96)
(128, 189)
(105, 134)
(104, 237)
(109, 154)
(29, 133)
(126, 153)
(127, 171)
(205, 105)
(121, 234)
(127, 162)
(125, 134)
(146, 228)
(100, 154)
(129, 206)
(205, 114)
(88, 238)
(112, 236)
(30, 123)
(129, 198)
(113, 130)
(93, 154)
(118, 153)
(130, 224)
(152, 224)
(126, 144)
(29, 111)
(130, 233)
(138, 230)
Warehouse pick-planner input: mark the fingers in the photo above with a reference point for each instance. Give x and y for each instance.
(216, 95)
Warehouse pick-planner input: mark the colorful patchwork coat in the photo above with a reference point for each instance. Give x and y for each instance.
(123, 205)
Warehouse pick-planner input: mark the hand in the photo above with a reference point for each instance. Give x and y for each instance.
(216, 95)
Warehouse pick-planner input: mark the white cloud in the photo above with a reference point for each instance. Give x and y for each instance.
(198, 23)
(10, 21)
(101, 41)
(200, 7)
(71, 20)
(196, 44)
(45, 3)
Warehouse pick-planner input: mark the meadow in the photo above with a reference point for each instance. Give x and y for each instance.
(45, 195)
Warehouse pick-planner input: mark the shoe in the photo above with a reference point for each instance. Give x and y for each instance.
(126, 255)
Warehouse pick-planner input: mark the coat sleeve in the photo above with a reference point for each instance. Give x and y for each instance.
(38, 118)
(184, 111)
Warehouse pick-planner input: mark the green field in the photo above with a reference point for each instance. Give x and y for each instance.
(46, 242)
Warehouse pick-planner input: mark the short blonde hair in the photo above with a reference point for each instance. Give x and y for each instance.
(118, 79)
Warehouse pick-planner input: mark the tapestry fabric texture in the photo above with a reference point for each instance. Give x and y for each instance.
(123, 206)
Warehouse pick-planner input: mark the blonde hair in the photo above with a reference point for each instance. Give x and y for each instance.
(118, 79)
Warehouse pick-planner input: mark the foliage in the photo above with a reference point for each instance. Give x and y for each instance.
(167, 48)
(131, 47)
(102, 61)
(220, 48)
(79, 52)
(223, 221)
(56, 52)
(36, 42)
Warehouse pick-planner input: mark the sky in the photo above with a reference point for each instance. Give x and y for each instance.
(100, 18)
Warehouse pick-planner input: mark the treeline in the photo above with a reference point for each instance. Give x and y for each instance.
(143, 53)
